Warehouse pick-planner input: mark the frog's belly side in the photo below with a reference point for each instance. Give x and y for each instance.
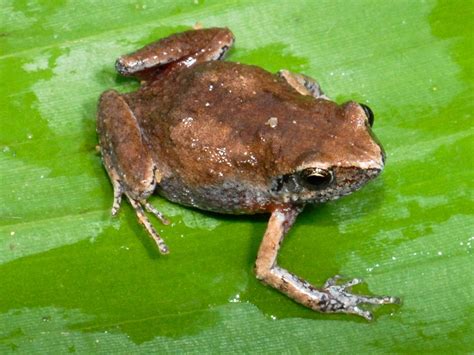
(229, 197)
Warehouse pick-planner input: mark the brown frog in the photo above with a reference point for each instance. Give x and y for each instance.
(234, 138)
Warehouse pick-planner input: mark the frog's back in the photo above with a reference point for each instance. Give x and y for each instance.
(221, 102)
(222, 127)
(217, 92)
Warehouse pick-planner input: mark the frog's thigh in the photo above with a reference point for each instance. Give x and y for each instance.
(188, 48)
(125, 155)
(303, 84)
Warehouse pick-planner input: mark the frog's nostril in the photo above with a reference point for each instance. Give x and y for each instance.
(368, 113)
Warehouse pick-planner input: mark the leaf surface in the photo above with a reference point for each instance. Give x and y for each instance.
(74, 279)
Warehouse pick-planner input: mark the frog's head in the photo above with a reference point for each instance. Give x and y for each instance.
(340, 155)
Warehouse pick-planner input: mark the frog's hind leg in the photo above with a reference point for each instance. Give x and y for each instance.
(185, 48)
(333, 297)
(303, 84)
(127, 160)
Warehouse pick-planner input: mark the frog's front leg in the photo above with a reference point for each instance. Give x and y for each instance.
(303, 84)
(181, 49)
(331, 298)
(127, 160)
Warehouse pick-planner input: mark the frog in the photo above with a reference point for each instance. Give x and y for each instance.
(232, 138)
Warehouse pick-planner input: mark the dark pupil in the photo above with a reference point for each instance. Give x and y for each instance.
(316, 178)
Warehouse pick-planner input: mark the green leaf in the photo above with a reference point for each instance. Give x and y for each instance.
(74, 279)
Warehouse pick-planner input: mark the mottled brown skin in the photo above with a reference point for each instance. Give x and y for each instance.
(234, 138)
(183, 119)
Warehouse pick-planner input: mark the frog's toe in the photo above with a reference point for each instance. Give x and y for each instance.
(118, 192)
(332, 281)
(143, 220)
(152, 209)
(341, 300)
(361, 312)
(351, 283)
(380, 300)
(116, 205)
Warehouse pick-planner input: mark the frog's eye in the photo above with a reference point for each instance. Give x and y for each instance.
(368, 113)
(316, 178)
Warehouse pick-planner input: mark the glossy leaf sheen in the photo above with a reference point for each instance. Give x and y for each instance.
(74, 279)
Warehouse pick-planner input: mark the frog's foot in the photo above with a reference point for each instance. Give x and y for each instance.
(331, 298)
(142, 218)
(118, 192)
(303, 84)
(341, 300)
(186, 49)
